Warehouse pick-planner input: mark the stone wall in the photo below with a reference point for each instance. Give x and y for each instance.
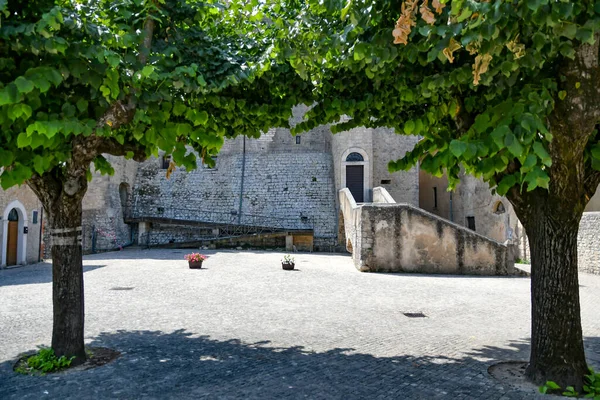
(380, 146)
(287, 185)
(386, 237)
(389, 146)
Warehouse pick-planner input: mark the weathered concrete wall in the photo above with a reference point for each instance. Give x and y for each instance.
(21, 198)
(402, 238)
(389, 146)
(588, 243)
(594, 203)
(472, 198)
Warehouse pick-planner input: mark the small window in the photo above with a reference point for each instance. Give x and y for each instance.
(13, 215)
(354, 157)
(34, 217)
(298, 139)
(471, 223)
(386, 181)
(435, 197)
(166, 161)
(499, 208)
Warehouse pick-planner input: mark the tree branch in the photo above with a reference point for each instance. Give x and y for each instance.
(112, 147)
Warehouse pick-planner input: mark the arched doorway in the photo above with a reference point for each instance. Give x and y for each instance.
(14, 234)
(13, 237)
(355, 174)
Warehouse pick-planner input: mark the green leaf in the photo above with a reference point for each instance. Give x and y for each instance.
(147, 71)
(505, 184)
(562, 94)
(6, 158)
(360, 51)
(529, 163)
(541, 152)
(499, 134)
(513, 145)
(82, 105)
(23, 140)
(24, 85)
(201, 118)
(179, 109)
(409, 127)
(457, 148)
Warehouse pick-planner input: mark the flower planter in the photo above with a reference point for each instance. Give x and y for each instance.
(195, 264)
(287, 266)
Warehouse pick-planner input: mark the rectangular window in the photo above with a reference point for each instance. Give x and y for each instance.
(166, 161)
(435, 197)
(386, 181)
(471, 223)
(298, 139)
(34, 217)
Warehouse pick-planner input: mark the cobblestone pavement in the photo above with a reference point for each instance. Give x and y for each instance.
(244, 328)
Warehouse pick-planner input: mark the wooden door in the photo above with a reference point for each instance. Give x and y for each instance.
(13, 236)
(355, 181)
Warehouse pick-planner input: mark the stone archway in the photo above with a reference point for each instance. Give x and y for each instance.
(14, 211)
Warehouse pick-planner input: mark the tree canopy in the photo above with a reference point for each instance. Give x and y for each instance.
(132, 76)
(477, 80)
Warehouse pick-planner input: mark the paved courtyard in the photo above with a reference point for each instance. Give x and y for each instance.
(244, 328)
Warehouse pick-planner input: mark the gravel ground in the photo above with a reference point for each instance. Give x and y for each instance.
(244, 328)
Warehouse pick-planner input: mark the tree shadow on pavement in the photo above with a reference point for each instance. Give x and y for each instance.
(33, 274)
(183, 365)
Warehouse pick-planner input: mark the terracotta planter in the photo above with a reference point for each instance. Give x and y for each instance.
(287, 266)
(195, 264)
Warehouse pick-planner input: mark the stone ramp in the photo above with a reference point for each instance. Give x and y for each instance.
(385, 236)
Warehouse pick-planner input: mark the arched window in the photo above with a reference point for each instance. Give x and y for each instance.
(499, 208)
(13, 215)
(353, 157)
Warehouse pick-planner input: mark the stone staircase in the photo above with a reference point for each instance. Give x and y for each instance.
(385, 236)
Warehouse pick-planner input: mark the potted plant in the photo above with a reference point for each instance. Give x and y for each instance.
(287, 262)
(195, 260)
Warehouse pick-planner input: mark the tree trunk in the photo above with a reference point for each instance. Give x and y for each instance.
(62, 199)
(557, 352)
(67, 281)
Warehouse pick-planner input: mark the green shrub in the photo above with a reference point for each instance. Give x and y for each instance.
(42, 362)
(591, 387)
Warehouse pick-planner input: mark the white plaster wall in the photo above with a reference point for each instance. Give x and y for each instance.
(30, 203)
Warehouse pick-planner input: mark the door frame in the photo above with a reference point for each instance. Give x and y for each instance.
(366, 171)
(21, 238)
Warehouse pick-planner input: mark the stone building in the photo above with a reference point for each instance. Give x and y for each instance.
(262, 189)
(276, 181)
(21, 227)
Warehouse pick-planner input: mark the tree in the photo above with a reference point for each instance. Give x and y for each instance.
(507, 90)
(79, 79)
